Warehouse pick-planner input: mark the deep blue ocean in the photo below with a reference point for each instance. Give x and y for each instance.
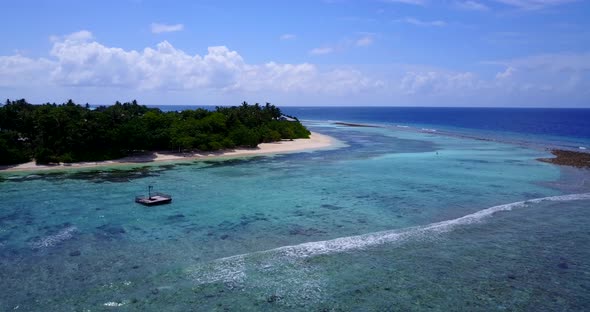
(542, 121)
(436, 209)
(563, 127)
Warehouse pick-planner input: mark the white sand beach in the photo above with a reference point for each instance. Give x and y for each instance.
(316, 141)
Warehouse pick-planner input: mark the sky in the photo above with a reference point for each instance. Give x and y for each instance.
(509, 53)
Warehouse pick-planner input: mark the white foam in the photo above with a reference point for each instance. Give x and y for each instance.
(378, 238)
(582, 147)
(232, 269)
(53, 240)
(228, 270)
(114, 304)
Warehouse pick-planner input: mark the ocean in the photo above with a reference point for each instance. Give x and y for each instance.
(567, 128)
(434, 209)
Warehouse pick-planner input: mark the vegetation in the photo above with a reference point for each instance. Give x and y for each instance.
(568, 158)
(69, 132)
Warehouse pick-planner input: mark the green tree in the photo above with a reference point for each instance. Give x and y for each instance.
(70, 132)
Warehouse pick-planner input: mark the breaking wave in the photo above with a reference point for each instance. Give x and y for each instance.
(52, 240)
(232, 270)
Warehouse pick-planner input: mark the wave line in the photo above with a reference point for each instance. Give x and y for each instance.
(219, 269)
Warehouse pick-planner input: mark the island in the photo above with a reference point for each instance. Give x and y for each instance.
(69, 133)
(568, 158)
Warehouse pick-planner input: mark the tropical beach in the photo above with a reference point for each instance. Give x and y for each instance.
(321, 155)
(316, 141)
(404, 207)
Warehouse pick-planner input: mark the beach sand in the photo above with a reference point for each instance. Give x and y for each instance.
(315, 141)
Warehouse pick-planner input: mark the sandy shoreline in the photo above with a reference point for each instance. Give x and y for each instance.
(316, 141)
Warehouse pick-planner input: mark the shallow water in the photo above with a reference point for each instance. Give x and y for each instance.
(353, 228)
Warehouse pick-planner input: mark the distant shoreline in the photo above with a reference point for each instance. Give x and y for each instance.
(315, 141)
(349, 124)
(563, 157)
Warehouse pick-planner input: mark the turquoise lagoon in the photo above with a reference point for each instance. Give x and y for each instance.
(389, 220)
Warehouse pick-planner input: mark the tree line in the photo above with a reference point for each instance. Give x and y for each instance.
(69, 132)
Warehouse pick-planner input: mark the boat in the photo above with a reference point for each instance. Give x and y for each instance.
(153, 198)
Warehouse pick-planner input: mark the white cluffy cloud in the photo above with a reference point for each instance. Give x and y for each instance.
(158, 28)
(534, 4)
(414, 2)
(471, 5)
(78, 60)
(439, 82)
(477, 5)
(360, 39)
(19, 70)
(509, 72)
(78, 65)
(287, 37)
(565, 73)
(364, 41)
(417, 22)
(532, 80)
(322, 50)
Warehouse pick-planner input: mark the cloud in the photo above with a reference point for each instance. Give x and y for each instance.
(565, 74)
(438, 82)
(550, 62)
(322, 50)
(17, 70)
(534, 4)
(79, 65)
(476, 5)
(360, 39)
(471, 5)
(77, 60)
(164, 28)
(413, 2)
(536, 79)
(558, 74)
(506, 74)
(305, 78)
(417, 22)
(364, 41)
(287, 37)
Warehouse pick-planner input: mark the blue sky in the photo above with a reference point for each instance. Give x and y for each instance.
(322, 52)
